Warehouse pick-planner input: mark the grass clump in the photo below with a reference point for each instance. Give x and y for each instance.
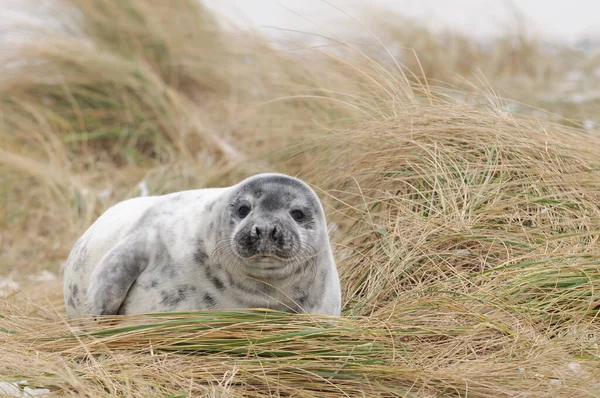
(466, 236)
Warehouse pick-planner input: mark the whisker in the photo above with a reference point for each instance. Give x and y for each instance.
(300, 266)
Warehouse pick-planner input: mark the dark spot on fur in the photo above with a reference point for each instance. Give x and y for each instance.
(309, 225)
(74, 289)
(302, 299)
(104, 310)
(73, 299)
(165, 297)
(154, 283)
(200, 255)
(176, 297)
(209, 300)
(229, 278)
(210, 206)
(217, 283)
(266, 288)
(211, 227)
(258, 192)
(215, 280)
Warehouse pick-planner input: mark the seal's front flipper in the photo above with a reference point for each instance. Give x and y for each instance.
(116, 272)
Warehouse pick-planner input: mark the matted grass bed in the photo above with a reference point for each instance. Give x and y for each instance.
(466, 236)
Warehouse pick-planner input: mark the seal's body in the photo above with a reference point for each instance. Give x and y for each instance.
(262, 243)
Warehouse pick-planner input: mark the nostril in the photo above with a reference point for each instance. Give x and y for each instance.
(256, 231)
(276, 233)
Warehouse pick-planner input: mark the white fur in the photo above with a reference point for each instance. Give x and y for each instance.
(183, 224)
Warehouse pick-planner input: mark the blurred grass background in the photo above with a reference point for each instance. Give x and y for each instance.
(460, 179)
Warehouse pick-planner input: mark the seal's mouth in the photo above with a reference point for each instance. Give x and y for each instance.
(265, 263)
(266, 258)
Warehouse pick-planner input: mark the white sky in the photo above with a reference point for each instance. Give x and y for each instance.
(552, 19)
(566, 20)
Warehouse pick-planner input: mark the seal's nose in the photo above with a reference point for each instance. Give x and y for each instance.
(272, 232)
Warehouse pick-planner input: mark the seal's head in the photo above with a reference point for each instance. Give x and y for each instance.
(276, 224)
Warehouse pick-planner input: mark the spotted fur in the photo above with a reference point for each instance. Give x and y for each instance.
(194, 250)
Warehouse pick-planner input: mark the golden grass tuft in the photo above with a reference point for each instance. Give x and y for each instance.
(466, 236)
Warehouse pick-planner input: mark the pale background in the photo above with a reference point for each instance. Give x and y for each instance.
(567, 21)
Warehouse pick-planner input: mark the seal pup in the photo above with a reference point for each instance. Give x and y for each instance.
(262, 243)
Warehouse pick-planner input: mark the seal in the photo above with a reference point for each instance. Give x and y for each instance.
(262, 243)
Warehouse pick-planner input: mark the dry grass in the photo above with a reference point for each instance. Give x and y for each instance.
(466, 236)
(527, 72)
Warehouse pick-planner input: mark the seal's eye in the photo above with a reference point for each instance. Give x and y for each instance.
(243, 211)
(297, 215)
